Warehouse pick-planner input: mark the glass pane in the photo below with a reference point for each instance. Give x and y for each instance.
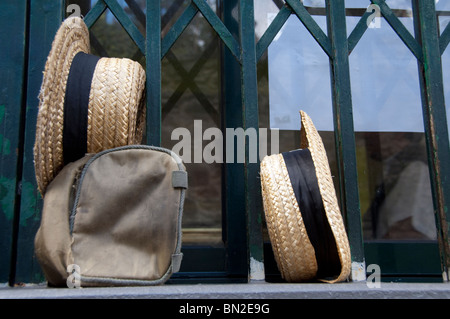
(170, 12)
(107, 36)
(403, 10)
(317, 10)
(395, 192)
(265, 11)
(109, 39)
(190, 107)
(135, 9)
(399, 4)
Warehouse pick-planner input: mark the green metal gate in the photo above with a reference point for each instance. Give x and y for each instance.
(28, 28)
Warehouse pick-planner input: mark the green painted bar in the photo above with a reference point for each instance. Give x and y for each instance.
(219, 27)
(344, 133)
(127, 24)
(311, 25)
(420, 259)
(95, 13)
(272, 31)
(233, 198)
(253, 199)
(177, 29)
(399, 28)
(435, 123)
(45, 19)
(13, 19)
(153, 71)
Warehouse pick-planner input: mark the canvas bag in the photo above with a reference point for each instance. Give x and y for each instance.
(114, 219)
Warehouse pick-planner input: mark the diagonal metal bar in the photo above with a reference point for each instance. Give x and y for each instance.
(358, 32)
(278, 3)
(127, 24)
(400, 29)
(444, 39)
(178, 28)
(97, 45)
(311, 25)
(188, 82)
(361, 27)
(134, 7)
(170, 12)
(219, 27)
(95, 13)
(272, 31)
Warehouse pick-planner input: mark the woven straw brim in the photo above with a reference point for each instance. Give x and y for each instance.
(116, 113)
(292, 248)
(72, 37)
(311, 139)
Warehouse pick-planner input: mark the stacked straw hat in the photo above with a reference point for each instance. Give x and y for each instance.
(304, 222)
(86, 104)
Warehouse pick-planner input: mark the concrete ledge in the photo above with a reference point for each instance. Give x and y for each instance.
(239, 291)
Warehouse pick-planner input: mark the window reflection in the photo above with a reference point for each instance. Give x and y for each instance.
(395, 186)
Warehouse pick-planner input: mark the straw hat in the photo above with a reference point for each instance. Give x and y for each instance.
(105, 107)
(305, 225)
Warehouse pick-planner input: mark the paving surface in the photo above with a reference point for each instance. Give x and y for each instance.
(239, 291)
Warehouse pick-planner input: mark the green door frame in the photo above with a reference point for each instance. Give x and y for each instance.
(34, 33)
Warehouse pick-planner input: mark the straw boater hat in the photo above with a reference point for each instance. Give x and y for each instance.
(86, 104)
(304, 222)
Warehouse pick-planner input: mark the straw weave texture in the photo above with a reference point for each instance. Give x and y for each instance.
(71, 38)
(116, 111)
(292, 248)
(114, 104)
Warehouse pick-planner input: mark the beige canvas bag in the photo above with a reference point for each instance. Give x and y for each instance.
(114, 219)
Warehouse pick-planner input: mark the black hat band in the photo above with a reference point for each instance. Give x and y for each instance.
(303, 178)
(76, 104)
